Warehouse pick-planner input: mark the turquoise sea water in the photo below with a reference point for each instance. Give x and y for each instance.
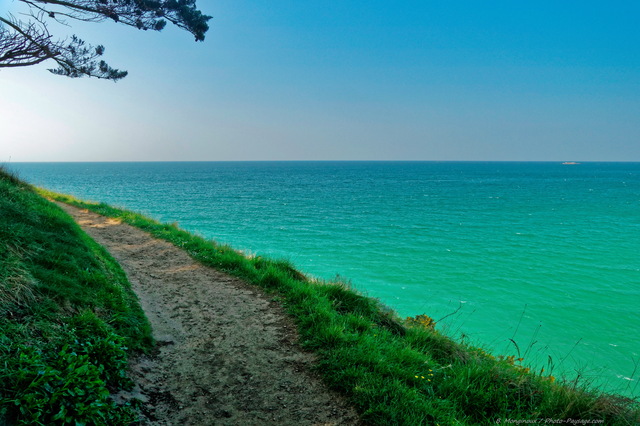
(545, 254)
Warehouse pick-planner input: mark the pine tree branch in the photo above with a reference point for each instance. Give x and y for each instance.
(30, 43)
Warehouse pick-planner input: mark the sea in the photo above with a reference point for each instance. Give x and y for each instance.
(535, 259)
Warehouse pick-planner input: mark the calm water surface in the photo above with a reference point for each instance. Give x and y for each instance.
(542, 253)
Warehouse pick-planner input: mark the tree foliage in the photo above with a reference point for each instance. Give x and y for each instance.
(29, 42)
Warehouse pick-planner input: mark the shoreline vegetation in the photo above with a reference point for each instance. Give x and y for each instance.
(64, 349)
(68, 317)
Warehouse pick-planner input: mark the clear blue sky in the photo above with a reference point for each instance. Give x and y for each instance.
(346, 80)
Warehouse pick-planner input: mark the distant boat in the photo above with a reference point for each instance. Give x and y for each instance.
(570, 162)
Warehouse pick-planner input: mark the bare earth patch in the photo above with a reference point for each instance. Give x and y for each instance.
(227, 353)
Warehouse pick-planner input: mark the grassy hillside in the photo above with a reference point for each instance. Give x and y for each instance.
(396, 371)
(68, 318)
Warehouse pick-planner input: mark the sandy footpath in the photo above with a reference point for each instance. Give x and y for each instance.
(227, 354)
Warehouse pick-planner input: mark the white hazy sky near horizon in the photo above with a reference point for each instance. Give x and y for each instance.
(352, 80)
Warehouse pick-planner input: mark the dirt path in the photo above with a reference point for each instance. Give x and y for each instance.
(227, 353)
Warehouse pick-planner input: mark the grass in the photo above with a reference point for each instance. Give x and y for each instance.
(68, 317)
(395, 371)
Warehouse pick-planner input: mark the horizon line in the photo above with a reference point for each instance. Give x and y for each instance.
(569, 162)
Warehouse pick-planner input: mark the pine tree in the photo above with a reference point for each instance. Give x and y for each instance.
(24, 43)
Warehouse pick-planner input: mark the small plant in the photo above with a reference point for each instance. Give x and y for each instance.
(423, 320)
(66, 388)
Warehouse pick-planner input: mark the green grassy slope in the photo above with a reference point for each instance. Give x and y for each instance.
(395, 371)
(68, 318)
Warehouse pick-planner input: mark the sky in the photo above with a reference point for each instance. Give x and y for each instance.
(344, 80)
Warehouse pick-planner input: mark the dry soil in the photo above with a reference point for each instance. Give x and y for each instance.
(226, 354)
